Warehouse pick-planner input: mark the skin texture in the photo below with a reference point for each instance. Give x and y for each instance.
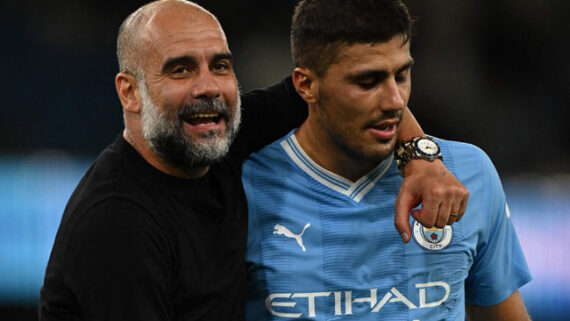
(185, 59)
(512, 309)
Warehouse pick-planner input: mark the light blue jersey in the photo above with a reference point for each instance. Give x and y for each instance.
(321, 247)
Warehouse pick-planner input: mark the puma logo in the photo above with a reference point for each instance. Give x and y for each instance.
(282, 230)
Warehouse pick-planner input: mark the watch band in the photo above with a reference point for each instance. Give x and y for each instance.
(416, 148)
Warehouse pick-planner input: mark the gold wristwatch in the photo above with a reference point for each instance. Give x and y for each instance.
(417, 148)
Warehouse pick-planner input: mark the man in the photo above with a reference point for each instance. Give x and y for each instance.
(320, 241)
(156, 229)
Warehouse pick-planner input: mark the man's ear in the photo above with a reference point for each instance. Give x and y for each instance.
(127, 88)
(307, 84)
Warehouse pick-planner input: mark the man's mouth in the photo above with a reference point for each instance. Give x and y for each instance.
(203, 119)
(385, 126)
(384, 130)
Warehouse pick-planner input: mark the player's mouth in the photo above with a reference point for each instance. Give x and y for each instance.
(385, 129)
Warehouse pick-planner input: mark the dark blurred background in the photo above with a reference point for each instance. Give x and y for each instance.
(492, 73)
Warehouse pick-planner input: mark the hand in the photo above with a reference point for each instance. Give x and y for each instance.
(439, 192)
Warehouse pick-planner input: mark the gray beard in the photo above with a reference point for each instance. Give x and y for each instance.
(164, 133)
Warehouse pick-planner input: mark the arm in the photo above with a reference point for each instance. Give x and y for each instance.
(512, 309)
(269, 114)
(409, 127)
(428, 183)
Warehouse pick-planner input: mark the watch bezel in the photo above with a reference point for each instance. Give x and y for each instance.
(411, 150)
(422, 152)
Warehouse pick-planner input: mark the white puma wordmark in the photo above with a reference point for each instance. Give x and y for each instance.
(280, 229)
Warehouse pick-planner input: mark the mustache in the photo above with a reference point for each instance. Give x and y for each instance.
(211, 106)
(392, 114)
(388, 115)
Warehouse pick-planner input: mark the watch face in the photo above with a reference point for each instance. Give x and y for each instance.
(427, 147)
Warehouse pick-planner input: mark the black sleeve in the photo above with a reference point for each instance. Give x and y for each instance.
(269, 114)
(119, 264)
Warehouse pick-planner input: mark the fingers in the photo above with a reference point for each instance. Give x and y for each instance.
(442, 206)
(428, 214)
(463, 203)
(404, 204)
(454, 212)
(443, 197)
(445, 210)
(458, 205)
(453, 216)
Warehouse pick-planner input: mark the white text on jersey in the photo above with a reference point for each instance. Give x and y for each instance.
(281, 300)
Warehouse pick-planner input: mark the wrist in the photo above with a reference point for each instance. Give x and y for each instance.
(418, 148)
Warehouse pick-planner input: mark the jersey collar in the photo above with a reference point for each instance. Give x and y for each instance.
(354, 190)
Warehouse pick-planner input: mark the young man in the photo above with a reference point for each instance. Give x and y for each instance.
(320, 243)
(156, 229)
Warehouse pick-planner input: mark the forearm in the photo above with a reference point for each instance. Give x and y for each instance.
(443, 197)
(409, 127)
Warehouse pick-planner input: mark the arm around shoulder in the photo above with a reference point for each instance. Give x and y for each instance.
(270, 113)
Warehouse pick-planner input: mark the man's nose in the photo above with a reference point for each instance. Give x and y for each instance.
(205, 86)
(393, 97)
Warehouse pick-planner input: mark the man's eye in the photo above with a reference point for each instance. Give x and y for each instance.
(368, 84)
(221, 67)
(403, 77)
(180, 70)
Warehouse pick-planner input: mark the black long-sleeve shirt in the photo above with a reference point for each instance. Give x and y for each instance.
(137, 244)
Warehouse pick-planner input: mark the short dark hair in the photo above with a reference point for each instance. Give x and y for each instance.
(320, 27)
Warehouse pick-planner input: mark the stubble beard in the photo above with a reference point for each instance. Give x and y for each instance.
(361, 153)
(164, 133)
(369, 153)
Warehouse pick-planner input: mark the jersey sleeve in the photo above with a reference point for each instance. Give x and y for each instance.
(499, 267)
(268, 114)
(119, 264)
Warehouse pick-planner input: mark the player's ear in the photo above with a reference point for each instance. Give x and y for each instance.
(127, 89)
(307, 84)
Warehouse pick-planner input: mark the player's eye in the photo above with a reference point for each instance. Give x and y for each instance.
(403, 76)
(368, 83)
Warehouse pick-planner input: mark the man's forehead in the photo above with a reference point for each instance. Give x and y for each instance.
(186, 32)
(170, 21)
(390, 52)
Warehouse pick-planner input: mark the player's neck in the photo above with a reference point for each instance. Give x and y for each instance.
(324, 151)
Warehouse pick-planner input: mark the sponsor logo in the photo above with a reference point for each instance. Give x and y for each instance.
(432, 238)
(283, 304)
(282, 230)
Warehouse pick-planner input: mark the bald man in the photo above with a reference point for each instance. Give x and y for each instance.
(156, 229)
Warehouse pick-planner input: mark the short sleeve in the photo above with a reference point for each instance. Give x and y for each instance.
(499, 268)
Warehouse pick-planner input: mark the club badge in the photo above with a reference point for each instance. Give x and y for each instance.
(434, 238)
